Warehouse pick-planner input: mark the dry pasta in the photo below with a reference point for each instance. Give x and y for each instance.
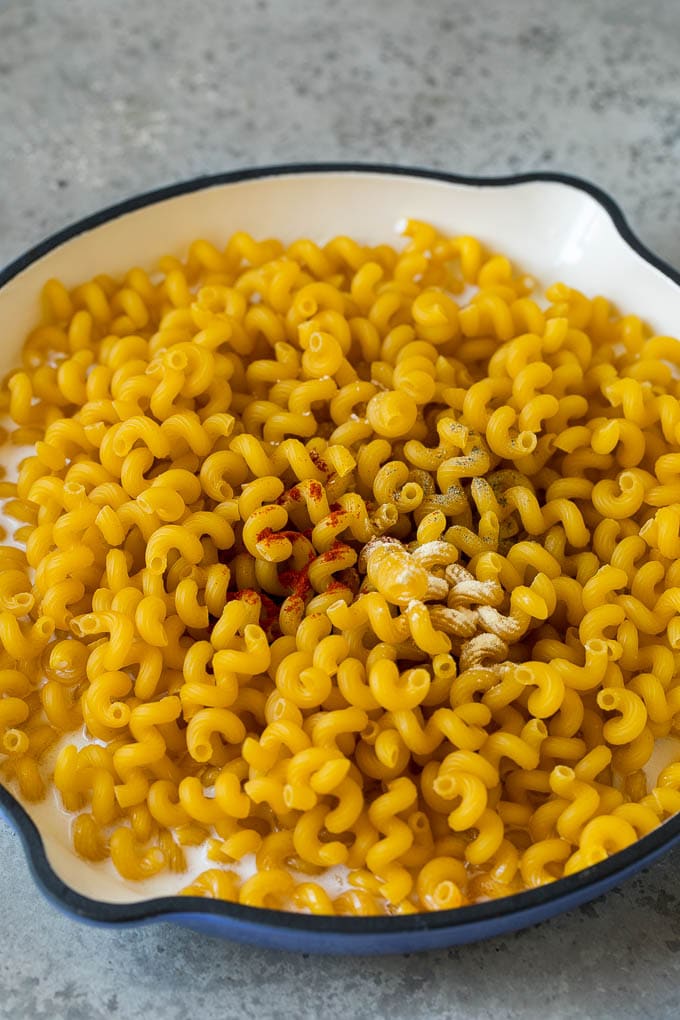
(317, 562)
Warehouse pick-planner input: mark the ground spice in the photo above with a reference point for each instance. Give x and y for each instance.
(336, 552)
(297, 581)
(318, 460)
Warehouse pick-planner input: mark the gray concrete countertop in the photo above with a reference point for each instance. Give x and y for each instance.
(99, 100)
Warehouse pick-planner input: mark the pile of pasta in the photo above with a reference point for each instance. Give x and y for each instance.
(342, 559)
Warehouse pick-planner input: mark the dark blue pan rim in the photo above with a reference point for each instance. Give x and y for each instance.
(558, 895)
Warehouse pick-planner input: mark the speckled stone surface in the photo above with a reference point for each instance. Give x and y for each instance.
(102, 100)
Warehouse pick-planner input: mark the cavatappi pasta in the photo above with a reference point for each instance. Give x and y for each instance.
(336, 566)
